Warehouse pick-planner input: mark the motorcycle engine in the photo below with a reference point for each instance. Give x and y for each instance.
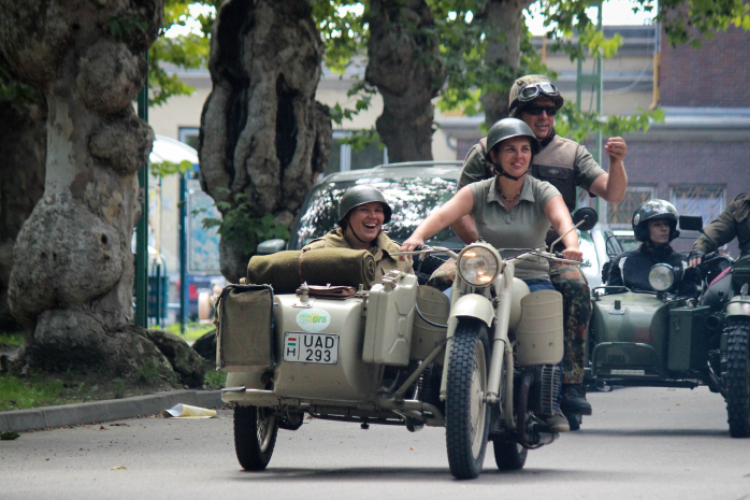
(545, 391)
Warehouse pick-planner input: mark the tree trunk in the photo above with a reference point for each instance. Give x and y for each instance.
(264, 139)
(405, 65)
(503, 21)
(23, 145)
(72, 289)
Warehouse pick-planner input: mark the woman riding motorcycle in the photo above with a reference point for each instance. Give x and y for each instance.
(655, 225)
(512, 210)
(362, 212)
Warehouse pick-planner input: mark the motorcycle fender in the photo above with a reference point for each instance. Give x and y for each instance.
(474, 306)
(738, 307)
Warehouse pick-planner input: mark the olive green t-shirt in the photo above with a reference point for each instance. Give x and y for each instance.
(524, 227)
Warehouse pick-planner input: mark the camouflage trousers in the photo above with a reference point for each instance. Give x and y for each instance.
(570, 281)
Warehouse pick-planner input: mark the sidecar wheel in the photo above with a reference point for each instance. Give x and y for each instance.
(255, 431)
(509, 455)
(737, 380)
(467, 419)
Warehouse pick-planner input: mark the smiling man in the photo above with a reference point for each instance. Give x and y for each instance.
(566, 165)
(362, 212)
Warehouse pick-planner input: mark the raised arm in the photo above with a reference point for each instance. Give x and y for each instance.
(611, 186)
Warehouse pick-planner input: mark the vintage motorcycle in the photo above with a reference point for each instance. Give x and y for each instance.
(673, 337)
(483, 364)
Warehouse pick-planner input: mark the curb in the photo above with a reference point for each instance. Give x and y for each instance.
(104, 411)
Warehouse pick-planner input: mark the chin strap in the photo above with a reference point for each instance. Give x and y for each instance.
(501, 171)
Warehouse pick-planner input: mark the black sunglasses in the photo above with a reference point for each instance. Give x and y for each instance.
(538, 110)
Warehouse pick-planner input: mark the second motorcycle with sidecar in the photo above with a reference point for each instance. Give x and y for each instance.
(677, 335)
(483, 364)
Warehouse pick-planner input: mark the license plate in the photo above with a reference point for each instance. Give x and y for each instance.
(320, 348)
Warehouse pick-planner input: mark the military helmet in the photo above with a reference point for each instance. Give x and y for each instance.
(654, 210)
(508, 128)
(527, 88)
(359, 195)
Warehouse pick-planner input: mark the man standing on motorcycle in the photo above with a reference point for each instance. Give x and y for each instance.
(733, 222)
(362, 212)
(566, 165)
(512, 210)
(655, 225)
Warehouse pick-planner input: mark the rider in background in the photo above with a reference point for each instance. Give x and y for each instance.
(733, 222)
(655, 225)
(362, 212)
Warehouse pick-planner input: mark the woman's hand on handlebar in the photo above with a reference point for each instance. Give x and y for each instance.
(410, 245)
(573, 254)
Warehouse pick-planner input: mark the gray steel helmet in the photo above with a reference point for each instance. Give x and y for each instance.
(508, 128)
(654, 210)
(359, 195)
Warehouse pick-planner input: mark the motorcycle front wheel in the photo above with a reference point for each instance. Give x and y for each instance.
(737, 379)
(467, 420)
(255, 431)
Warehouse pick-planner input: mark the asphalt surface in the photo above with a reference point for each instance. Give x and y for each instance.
(104, 411)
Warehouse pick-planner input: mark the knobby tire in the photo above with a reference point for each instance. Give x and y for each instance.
(737, 379)
(255, 431)
(469, 341)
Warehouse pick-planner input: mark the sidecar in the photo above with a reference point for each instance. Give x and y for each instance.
(333, 352)
(669, 338)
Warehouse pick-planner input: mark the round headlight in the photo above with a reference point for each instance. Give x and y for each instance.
(478, 265)
(661, 277)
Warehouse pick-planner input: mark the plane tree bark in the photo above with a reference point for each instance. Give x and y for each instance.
(264, 139)
(405, 66)
(71, 286)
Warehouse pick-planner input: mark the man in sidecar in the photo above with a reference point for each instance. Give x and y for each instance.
(655, 226)
(362, 212)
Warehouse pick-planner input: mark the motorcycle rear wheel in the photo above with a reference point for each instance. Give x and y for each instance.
(467, 419)
(737, 379)
(255, 431)
(509, 455)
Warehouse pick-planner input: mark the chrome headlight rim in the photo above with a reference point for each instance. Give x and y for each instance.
(661, 277)
(473, 271)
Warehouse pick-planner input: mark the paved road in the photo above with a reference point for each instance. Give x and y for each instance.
(641, 443)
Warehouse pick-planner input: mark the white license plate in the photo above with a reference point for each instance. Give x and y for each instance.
(311, 348)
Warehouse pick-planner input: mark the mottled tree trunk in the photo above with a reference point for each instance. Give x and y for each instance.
(503, 21)
(405, 65)
(23, 147)
(72, 283)
(262, 133)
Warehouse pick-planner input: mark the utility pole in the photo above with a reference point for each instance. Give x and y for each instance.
(141, 228)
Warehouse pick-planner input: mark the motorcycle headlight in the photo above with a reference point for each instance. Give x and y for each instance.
(661, 277)
(478, 265)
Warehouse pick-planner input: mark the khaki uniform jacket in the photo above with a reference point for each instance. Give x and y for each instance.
(734, 222)
(384, 246)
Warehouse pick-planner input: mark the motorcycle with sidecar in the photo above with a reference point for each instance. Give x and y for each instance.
(678, 336)
(483, 364)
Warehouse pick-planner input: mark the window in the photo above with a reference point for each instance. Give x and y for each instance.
(189, 135)
(620, 215)
(343, 157)
(707, 200)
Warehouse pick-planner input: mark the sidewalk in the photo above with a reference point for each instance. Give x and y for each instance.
(104, 411)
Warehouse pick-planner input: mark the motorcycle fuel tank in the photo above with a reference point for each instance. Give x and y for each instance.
(630, 333)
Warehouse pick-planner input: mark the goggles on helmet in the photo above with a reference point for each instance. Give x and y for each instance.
(534, 90)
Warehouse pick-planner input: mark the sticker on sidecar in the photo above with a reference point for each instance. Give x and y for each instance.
(313, 320)
(311, 348)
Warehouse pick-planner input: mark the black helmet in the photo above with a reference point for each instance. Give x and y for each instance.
(359, 195)
(654, 210)
(508, 128)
